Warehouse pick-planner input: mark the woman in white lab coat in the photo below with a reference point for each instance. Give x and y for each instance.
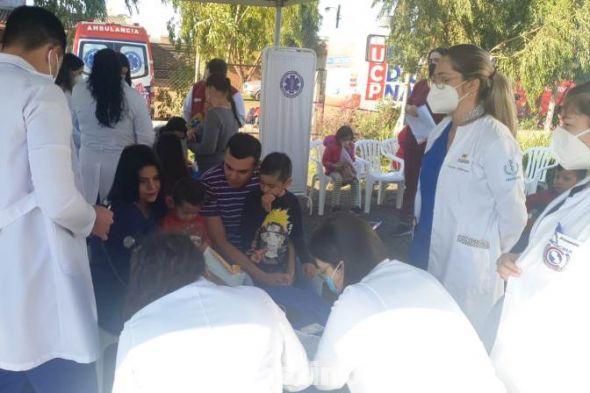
(543, 340)
(470, 205)
(394, 328)
(111, 115)
(187, 334)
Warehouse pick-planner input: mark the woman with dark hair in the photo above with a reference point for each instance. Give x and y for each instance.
(393, 328)
(69, 74)
(137, 205)
(181, 323)
(111, 116)
(413, 149)
(221, 122)
(169, 150)
(125, 68)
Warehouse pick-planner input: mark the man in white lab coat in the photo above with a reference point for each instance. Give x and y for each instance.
(48, 331)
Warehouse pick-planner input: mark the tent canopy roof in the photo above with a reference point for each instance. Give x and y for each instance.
(264, 3)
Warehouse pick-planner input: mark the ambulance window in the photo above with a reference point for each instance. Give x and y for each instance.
(87, 53)
(137, 59)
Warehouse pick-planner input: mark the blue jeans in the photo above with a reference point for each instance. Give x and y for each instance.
(54, 376)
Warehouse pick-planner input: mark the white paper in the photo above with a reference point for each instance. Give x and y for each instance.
(422, 124)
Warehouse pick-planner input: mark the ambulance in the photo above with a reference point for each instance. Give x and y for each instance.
(132, 41)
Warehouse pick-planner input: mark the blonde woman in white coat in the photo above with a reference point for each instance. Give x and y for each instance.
(470, 205)
(111, 115)
(543, 340)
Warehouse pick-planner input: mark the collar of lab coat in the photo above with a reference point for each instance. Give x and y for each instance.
(19, 62)
(558, 200)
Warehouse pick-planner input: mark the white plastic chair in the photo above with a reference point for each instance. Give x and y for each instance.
(369, 154)
(315, 156)
(389, 148)
(538, 161)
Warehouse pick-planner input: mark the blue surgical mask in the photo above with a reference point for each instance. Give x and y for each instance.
(329, 280)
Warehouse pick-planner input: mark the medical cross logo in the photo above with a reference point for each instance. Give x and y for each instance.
(134, 61)
(291, 84)
(89, 57)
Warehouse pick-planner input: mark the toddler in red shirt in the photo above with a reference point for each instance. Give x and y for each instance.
(188, 195)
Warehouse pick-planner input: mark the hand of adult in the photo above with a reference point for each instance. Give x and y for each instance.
(103, 222)
(412, 110)
(267, 200)
(310, 270)
(506, 266)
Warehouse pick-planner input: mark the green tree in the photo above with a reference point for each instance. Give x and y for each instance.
(534, 41)
(71, 12)
(239, 33)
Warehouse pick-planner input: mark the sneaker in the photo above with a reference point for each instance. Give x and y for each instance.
(356, 210)
(402, 229)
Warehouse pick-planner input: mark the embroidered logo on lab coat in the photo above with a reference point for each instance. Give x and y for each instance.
(511, 170)
(464, 159)
(559, 250)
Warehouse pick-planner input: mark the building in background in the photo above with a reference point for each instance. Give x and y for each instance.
(357, 70)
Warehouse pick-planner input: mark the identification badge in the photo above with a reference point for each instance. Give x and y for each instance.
(558, 252)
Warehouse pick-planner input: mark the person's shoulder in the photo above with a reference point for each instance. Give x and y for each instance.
(213, 174)
(492, 129)
(254, 196)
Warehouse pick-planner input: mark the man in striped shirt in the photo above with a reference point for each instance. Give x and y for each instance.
(227, 186)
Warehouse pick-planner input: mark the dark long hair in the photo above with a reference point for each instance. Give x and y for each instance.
(126, 184)
(70, 64)
(223, 85)
(124, 61)
(169, 150)
(347, 238)
(162, 264)
(106, 88)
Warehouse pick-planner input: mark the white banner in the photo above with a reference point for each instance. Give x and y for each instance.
(286, 106)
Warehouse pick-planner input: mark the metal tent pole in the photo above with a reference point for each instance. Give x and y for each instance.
(278, 17)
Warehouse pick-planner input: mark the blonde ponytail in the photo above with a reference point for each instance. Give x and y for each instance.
(499, 101)
(495, 91)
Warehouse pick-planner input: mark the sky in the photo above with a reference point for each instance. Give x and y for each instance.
(153, 17)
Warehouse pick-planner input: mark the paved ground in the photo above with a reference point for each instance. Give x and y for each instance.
(397, 246)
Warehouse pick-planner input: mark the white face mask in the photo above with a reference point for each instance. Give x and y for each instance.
(444, 99)
(77, 79)
(57, 62)
(571, 152)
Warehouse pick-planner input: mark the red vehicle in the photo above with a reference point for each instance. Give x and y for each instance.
(132, 41)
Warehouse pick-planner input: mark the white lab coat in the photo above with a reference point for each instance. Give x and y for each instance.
(47, 307)
(188, 105)
(210, 338)
(543, 340)
(398, 330)
(101, 147)
(479, 213)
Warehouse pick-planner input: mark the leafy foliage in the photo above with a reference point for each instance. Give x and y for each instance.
(534, 41)
(239, 33)
(71, 12)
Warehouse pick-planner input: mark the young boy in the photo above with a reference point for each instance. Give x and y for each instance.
(188, 195)
(272, 229)
(338, 160)
(537, 202)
